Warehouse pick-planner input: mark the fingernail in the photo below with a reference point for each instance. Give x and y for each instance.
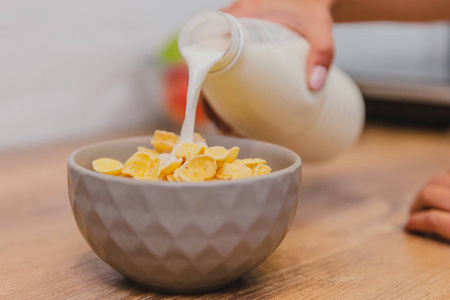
(318, 76)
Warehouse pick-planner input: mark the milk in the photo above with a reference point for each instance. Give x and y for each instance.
(257, 87)
(200, 59)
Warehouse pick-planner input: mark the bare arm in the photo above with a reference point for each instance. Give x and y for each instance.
(390, 10)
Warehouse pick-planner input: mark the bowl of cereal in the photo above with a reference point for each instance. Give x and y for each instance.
(184, 231)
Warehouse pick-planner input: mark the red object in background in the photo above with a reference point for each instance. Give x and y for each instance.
(175, 85)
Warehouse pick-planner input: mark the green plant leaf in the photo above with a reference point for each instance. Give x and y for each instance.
(170, 53)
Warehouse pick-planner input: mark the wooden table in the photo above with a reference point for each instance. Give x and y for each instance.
(347, 241)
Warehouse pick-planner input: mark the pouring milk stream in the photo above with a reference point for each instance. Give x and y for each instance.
(200, 60)
(253, 76)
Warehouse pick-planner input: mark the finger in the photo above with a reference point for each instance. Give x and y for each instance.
(243, 8)
(442, 180)
(432, 221)
(433, 196)
(320, 54)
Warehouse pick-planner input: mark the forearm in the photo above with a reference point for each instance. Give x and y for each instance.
(390, 10)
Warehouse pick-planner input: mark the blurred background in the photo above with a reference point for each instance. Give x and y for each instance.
(74, 69)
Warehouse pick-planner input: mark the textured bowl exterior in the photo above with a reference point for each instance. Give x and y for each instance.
(183, 237)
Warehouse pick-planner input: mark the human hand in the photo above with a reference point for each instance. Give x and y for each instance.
(310, 18)
(430, 211)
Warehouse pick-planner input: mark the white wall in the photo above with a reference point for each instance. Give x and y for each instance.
(394, 50)
(70, 68)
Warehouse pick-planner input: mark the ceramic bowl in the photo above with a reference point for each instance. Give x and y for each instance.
(184, 237)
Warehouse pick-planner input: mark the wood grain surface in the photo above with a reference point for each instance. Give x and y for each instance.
(347, 240)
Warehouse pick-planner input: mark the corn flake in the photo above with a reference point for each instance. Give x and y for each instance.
(152, 172)
(170, 177)
(233, 171)
(198, 168)
(137, 164)
(188, 150)
(198, 139)
(219, 154)
(250, 161)
(107, 165)
(262, 169)
(172, 166)
(164, 141)
(232, 154)
(151, 152)
(176, 175)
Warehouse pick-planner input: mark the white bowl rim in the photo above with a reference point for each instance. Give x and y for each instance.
(85, 171)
